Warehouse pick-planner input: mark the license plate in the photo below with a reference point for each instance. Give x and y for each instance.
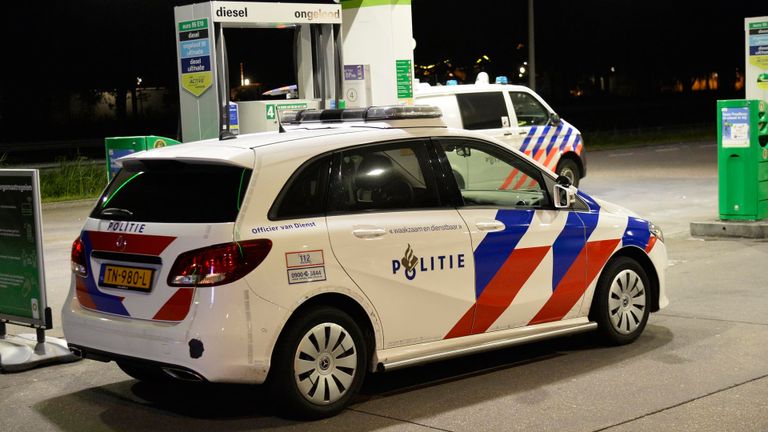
(133, 278)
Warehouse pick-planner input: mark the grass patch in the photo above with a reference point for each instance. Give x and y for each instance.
(80, 178)
(649, 136)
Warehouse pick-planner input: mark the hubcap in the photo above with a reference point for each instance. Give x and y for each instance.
(325, 363)
(626, 301)
(567, 172)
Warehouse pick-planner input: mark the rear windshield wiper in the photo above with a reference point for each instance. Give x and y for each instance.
(112, 211)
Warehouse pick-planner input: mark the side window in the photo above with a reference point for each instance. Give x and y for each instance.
(490, 176)
(529, 111)
(304, 195)
(385, 177)
(486, 110)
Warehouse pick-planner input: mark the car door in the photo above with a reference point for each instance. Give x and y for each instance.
(529, 257)
(535, 136)
(406, 249)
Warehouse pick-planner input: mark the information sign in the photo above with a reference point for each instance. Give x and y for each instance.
(22, 277)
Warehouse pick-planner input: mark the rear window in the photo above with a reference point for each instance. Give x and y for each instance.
(174, 191)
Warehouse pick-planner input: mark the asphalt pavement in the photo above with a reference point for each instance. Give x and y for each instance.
(700, 365)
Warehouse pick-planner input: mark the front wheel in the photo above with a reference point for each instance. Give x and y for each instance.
(319, 364)
(621, 303)
(570, 169)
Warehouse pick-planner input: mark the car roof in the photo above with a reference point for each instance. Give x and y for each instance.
(308, 140)
(241, 150)
(428, 90)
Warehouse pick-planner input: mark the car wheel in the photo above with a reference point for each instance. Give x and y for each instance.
(144, 373)
(570, 169)
(621, 303)
(319, 364)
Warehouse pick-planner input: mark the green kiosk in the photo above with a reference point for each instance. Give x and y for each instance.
(742, 160)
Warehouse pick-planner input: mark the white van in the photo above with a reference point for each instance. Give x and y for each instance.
(517, 116)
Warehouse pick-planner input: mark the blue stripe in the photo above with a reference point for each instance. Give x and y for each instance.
(592, 204)
(495, 248)
(571, 241)
(567, 247)
(554, 137)
(636, 234)
(104, 302)
(566, 138)
(540, 141)
(527, 139)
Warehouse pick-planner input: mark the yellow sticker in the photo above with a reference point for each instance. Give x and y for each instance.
(159, 143)
(197, 82)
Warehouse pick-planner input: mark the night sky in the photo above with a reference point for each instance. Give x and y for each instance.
(64, 46)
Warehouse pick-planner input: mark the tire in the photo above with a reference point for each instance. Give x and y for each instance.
(319, 364)
(621, 304)
(144, 373)
(569, 168)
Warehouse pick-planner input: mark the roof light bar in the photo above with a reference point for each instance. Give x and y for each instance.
(374, 113)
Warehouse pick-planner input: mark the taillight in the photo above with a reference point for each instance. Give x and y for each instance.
(79, 265)
(218, 264)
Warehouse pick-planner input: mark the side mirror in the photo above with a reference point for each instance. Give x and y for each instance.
(563, 196)
(554, 119)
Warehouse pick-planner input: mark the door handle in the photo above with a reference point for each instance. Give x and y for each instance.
(507, 133)
(523, 133)
(368, 232)
(491, 226)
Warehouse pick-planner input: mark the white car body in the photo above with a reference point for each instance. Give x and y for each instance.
(482, 278)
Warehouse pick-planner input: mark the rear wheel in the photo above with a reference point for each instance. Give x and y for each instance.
(621, 303)
(319, 363)
(570, 169)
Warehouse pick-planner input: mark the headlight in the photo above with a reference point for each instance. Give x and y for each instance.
(656, 231)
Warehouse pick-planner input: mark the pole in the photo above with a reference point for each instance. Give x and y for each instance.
(531, 49)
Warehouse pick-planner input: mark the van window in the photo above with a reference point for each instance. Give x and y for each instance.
(529, 111)
(174, 191)
(485, 110)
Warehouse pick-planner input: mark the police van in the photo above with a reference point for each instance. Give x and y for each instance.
(516, 116)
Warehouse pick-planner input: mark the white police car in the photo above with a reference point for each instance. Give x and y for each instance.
(516, 116)
(306, 259)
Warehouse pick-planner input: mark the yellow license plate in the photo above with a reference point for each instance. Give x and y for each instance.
(126, 277)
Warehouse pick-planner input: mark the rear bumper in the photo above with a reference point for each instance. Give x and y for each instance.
(221, 342)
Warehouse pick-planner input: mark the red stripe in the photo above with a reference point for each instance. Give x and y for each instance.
(177, 307)
(576, 280)
(651, 243)
(549, 157)
(134, 243)
(520, 182)
(578, 148)
(83, 296)
(509, 179)
(464, 326)
(505, 285)
(538, 154)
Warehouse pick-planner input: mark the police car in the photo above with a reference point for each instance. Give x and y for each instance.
(516, 116)
(347, 245)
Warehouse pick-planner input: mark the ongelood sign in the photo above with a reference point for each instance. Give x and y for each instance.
(277, 13)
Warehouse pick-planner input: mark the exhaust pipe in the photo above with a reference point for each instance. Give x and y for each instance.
(77, 352)
(183, 375)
